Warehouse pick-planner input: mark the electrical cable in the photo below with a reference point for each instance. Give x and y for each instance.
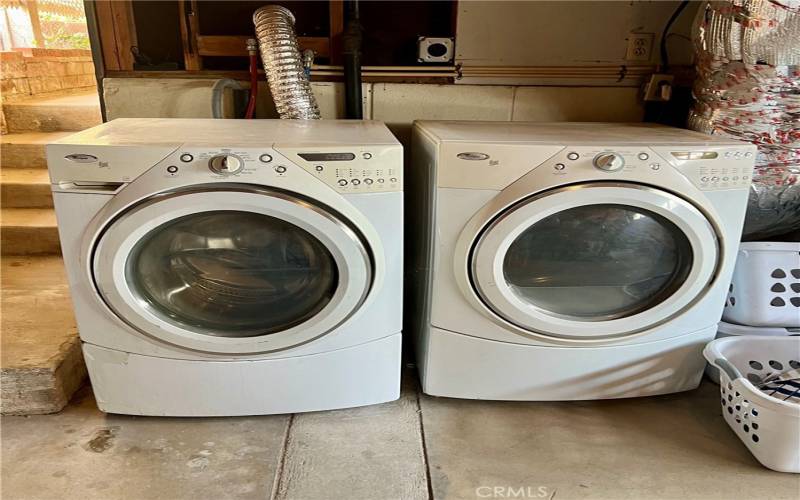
(672, 19)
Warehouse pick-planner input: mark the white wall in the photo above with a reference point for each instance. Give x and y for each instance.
(396, 104)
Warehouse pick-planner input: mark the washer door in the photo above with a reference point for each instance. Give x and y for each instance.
(232, 271)
(594, 261)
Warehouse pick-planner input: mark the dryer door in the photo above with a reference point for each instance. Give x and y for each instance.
(232, 270)
(594, 261)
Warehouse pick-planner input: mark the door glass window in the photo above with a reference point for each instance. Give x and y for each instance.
(598, 262)
(232, 274)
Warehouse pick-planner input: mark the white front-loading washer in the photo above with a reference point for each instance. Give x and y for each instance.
(234, 267)
(569, 260)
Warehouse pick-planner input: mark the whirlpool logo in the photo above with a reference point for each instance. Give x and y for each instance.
(473, 155)
(512, 492)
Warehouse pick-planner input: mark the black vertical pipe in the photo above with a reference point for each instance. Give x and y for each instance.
(351, 44)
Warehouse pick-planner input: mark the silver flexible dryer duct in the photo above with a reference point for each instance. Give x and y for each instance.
(283, 64)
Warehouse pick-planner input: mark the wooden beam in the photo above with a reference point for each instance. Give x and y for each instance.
(217, 46)
(124, 32)
(105, 28)
(187, 10)
(117, 33)
(36, 25)
(336, 15)
(368, 77)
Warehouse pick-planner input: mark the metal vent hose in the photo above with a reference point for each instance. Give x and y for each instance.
(283, 63)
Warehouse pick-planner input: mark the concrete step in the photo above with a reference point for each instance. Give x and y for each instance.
(26, 231)
(50, 114)
(25, 188)
(26, 150)
(41, 364)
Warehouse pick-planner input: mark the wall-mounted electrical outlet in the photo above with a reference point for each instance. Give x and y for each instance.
(640, 46)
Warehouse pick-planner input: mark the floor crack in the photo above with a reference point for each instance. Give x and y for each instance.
(425, 462)
(276, 483)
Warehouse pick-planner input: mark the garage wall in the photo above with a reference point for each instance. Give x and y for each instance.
(394, 103)
(564, 33)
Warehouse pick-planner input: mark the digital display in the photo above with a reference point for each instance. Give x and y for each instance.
(695, 155)
(319, 157)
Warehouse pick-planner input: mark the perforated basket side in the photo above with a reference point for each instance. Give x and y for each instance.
(770, 436)
(765, 287)
(768, 426)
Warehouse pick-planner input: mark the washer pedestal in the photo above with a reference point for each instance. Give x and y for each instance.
(133, 384)
(473, 368)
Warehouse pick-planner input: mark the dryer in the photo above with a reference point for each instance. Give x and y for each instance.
(233, 267)
(569, 261)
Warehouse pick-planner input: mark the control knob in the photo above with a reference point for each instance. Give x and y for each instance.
(610, 162)
(225, 164)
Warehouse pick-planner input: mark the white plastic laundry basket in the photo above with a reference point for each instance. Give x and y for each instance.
(768, 426)
(765, 290)
(732, 330)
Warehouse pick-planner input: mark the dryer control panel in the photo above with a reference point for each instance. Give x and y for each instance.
(713, 168)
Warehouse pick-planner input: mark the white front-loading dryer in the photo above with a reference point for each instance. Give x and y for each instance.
(567, 260)
(233, 267)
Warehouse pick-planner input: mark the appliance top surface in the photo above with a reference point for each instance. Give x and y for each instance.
(567, 133)
(160, 131)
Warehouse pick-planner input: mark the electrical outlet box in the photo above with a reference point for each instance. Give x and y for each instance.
(659, 88)
(640, 47)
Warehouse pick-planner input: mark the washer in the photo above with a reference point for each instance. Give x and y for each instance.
(216, 269)
(570, 260)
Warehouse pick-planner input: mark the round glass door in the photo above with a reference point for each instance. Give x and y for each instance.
(598, 262)
(592, 261)
(234, 274)
(232, 270)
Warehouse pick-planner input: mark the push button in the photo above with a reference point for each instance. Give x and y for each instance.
(342, 182)
(186, 157)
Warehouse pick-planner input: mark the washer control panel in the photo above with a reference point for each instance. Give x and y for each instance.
(222, 163)
(225, 164)
(712, 168)
(354, 170)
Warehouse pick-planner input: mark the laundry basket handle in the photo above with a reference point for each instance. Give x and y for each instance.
(728, 368)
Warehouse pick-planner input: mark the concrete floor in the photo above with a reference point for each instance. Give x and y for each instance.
(416, 448)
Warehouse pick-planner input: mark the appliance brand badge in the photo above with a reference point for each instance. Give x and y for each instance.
(473, 156)
(81, 158)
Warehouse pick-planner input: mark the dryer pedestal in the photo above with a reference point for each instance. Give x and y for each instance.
(133, 384)
(474, 368)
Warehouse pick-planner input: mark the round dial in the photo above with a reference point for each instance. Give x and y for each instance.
(225, 164)
(610, 162)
